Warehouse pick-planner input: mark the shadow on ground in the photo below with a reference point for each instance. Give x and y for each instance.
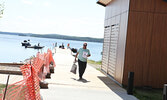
(83, 80)
(114, 87)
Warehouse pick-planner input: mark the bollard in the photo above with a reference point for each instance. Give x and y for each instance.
(48, 75)
(43, 85)
(51, 68)
(130, 83)
(165, 92)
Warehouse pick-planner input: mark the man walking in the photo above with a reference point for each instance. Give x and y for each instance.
(82, 59)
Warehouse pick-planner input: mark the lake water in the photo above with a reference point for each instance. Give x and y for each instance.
(12, 51)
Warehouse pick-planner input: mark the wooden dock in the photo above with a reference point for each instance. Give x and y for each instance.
(64, 85)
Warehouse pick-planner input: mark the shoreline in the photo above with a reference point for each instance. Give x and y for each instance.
(95, 64)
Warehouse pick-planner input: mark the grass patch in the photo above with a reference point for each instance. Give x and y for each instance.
(94, 62)
(2, 86)
(148, 94)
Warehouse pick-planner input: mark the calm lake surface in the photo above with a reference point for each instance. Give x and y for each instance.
(11, 49)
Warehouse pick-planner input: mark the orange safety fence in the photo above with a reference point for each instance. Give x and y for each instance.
(33, 73)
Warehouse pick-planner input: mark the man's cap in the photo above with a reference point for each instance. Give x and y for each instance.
(85, 44)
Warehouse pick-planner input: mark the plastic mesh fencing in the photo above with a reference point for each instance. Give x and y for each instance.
(33, 73)
(13, 92)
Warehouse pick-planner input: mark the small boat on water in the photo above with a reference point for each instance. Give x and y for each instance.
(26, 43)
(35, 47)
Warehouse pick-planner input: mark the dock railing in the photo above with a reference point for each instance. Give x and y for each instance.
(33, 72)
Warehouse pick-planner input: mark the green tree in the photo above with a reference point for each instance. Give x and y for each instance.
(1, 9)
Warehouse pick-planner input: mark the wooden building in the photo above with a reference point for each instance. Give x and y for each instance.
(135, 40)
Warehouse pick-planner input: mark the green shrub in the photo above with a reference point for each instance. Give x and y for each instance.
(148, 94)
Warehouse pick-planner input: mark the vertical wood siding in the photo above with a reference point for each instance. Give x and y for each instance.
(146, 43)
(158, 58)
(121, 46)
(138, 46)
(115, 38)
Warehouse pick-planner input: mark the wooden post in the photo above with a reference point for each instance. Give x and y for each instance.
(6, 87)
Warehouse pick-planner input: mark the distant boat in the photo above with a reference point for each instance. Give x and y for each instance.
(26, 43)
(35, 47)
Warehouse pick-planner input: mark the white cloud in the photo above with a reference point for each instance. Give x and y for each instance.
(65, 26)
(46, 4)
(23, 18)
(28, 2)
(45, 17)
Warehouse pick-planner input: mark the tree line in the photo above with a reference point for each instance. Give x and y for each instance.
(56, 36)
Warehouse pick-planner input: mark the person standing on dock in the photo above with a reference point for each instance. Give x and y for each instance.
(68, 46)
(56, 44)
(84, 53)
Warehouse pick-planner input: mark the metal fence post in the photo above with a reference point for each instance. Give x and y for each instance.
(130, 83)
(165, 92)
(6, 87)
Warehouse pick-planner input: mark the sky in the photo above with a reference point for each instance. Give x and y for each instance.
(82, 18)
